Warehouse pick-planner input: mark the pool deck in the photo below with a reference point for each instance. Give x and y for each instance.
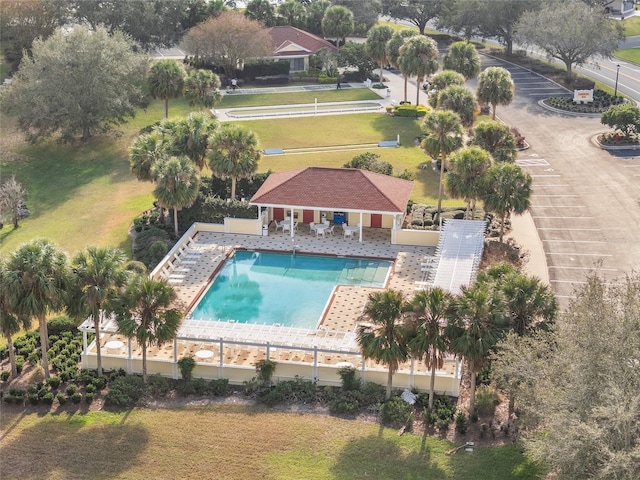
(191, 277)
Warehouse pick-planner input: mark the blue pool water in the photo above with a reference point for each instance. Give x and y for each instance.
(292, 290)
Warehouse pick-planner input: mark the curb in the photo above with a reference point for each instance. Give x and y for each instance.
(566, 112)
(597, 143)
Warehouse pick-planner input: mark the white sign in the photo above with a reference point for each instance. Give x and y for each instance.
(583, 96)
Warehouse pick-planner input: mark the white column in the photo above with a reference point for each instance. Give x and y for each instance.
(291, 222)
(360, 229)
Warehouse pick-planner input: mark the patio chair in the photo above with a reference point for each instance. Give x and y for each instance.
(280, 225)
(287, 227)
(348, 233)
(312, 227)
(330, 230)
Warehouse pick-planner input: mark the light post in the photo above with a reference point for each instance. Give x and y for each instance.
(615, 91)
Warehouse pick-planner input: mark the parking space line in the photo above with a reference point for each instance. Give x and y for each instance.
(563, 218)
(574, 241)
(572, 229)
(581, 254)
(583, 268)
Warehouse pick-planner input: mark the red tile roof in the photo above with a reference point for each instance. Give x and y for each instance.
(288, 40)
(338, 189)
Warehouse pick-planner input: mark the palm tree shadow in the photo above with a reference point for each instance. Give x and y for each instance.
(378, 457)
(68, 442)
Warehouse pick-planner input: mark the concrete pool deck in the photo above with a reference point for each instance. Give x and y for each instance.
(191, 276)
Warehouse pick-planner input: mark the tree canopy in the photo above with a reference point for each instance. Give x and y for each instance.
(337, 23)
(228, 41)
(577, 388)
(80, 81)
(495, 87)
(463, 58)
(571, 32)
(418, 12)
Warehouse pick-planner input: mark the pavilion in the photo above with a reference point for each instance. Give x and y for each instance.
(341, 195)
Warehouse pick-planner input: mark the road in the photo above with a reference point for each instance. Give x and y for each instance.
(585, 201)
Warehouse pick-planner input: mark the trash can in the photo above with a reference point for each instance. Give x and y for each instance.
(338, 218)
(388, 92)
(265, 230)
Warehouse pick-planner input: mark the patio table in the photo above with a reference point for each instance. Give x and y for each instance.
(204, 354)
(114, 345)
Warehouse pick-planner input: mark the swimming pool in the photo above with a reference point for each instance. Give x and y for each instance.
(291, 290)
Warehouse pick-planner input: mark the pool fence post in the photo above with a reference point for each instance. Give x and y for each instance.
(174, 366)
(316, 107)
(221, 369)
(314, 370)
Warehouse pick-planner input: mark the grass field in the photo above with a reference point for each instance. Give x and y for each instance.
(233, 442)
(631, 26)
(293, 98)
(83, 194)
(629, 54)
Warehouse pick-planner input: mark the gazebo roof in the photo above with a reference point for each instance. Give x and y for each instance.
(341, 189)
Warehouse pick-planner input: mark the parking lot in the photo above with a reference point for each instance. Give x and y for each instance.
(586, 201)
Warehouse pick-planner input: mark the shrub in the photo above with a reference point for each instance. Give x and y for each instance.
(486, 399)
(143, 243)
(265, 370)
(219, 387)
(4, 376)
(117, 373)
(71, 389)
(125, 391)
(62, 398)
(47, 398)
(91, 388)
(186, 388)
(57, 325)
(373, 394)
(76, 398)
(199, 385)
(186, 365)
(158, 385)
(88, 397)
(396, 412)
(461, 423)
(349, 379)
(99, 382)
(345, 403)
(34, 399)
(408, 110)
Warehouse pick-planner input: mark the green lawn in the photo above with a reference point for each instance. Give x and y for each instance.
(81, 194)
(629, 54)
(293, 98)
(84, 194)
(631, 26)
(236, 442)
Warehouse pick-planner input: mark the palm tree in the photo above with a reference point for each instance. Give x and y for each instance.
(464, 59)
(496, 138)
(190, 136)
(143, 312)
(293, 13)
(459, 100)
(418, 56)
(465, 179)
(146, 151)
(507, 189)
(337, 23)
(432, 307)
(234, 154)
(376, 45)
(99, 272)
(478, 323)
(37, 279)
(531, 304)
(201, 87)
(10, 323)
(393, 51)
(262, 11)
(495, 87)
(177, 184)
(443, 136)
(166, 81)
(442, 80)
(385, 340)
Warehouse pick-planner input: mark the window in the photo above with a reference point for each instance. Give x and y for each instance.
(297, 64)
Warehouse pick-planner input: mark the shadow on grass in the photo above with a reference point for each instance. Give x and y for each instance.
(378, 456)
(74, 446)
(495, 463)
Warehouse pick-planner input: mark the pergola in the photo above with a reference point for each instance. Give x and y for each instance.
(348, 190)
